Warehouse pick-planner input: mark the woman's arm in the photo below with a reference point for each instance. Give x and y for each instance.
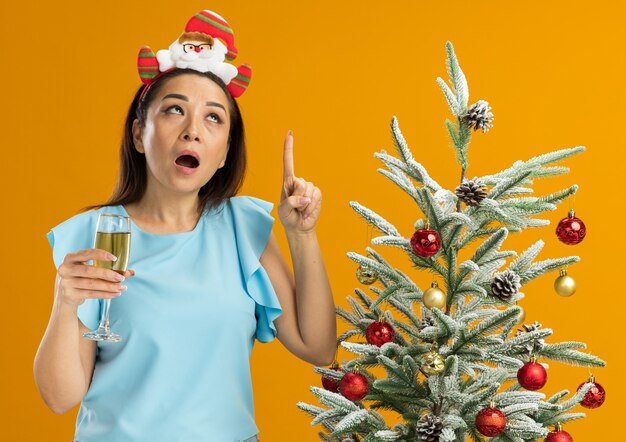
(307, 327)
(64, 361)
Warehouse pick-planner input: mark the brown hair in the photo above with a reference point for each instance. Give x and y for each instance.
(199, 36)
(132, 177)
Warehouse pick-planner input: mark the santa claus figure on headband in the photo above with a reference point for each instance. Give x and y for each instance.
(206, 42)
(198, 51)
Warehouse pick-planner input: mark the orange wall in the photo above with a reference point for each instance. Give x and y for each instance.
(335, 74)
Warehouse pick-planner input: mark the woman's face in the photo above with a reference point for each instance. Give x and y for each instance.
(188, 117)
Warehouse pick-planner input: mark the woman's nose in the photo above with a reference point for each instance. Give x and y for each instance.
(191, 135)
(190, 130)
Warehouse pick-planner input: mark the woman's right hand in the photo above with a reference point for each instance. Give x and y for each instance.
(77, 281)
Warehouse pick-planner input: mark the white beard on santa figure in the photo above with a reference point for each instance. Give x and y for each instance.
(203, 61)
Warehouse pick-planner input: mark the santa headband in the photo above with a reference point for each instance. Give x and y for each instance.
(206, 41)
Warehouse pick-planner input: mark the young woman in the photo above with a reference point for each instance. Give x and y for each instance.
(207, 279)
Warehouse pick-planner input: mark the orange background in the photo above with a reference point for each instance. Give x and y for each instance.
(334, 73)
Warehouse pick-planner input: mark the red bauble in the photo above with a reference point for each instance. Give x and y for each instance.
(353, 386)
(559, 436)
(426, 242)
(379, 333)
(331, 384)
(594, 397)
(532, 376)
(490, 421)
(571, 230)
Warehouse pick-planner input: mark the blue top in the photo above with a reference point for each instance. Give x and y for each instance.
(188, 322)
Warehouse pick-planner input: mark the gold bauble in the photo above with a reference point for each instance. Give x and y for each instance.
(432, 363)
(522, 315)
(434, 297)
(366, 276)
(565, 284)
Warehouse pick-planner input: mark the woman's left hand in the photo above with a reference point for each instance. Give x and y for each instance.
(297, 214)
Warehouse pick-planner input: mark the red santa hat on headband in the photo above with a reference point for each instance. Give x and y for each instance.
(203, 46)
(210, 23)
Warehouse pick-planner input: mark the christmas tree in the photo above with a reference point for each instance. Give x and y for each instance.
(465, 368)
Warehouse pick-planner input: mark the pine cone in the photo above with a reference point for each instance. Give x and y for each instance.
(505, 285)
(471, 192)
(478, 116)
(429, 428)
(427, 321)
(532, 346)
(529, 328)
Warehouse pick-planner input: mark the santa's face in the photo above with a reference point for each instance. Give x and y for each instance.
(188, 118)
(191, 50)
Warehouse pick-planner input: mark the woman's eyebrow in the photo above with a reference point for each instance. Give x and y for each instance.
(184, 98)
(213, 103)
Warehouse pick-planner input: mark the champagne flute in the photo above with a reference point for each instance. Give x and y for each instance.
(112, 235)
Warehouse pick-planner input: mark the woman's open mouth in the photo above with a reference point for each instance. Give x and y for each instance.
(187, 164)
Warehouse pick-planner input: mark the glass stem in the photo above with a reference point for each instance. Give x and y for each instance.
(104, 320)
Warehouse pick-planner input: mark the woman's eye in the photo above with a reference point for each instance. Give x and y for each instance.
(214, 117)
(173, 107)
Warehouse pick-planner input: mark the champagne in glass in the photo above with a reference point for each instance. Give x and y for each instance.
(112, 235)
(118, 243)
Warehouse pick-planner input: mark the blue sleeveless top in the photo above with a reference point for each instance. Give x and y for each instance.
(188, 322)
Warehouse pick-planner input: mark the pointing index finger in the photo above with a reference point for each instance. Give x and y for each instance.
(288, 156)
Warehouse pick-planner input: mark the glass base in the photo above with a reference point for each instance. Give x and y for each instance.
(102, 335)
